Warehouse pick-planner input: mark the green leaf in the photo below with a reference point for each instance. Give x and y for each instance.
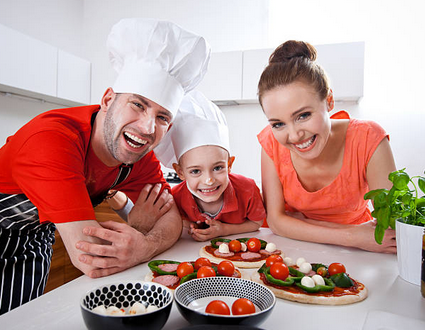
(381, 199)
(406, 198)
(420, 202)
(400, 180)
(392, 222)
(383, 218)
(421, 183)
(379, 234)
(371, 194)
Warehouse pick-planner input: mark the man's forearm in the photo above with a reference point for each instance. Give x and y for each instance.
(164, 234)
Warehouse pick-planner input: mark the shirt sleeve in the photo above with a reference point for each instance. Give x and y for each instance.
(255, 209)
(49, 168)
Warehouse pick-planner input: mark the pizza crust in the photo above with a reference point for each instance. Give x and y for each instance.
(311, 298)
(239, 264)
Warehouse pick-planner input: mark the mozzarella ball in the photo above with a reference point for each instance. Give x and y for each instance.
(288, 261)
(137, 308)
(271, 247)
(243, 247)
(112, 310)
(305, 268)
(223, 248)
(318, 279)
(308, 282)
(300, 261)
(151, 308)
(100, 310)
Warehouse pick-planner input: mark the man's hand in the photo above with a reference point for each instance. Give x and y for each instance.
(149, 207)
(120, 253)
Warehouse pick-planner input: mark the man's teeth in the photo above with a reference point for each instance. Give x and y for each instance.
(132, 138)
(306, 144)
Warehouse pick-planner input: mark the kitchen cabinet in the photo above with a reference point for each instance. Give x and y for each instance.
(73, 78)
(27, 64)
(223, 82)
(32, 68)
(234, 72)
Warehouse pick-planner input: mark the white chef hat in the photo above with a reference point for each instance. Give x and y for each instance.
(157, 59)
(199, 122)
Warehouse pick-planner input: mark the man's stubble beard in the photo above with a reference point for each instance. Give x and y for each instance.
(112, 142)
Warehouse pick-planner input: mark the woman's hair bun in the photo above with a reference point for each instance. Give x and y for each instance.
(292, 49)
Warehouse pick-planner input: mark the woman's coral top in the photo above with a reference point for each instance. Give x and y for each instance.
(341, 201)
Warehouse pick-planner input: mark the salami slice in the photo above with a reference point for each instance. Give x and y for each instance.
(250, 255)
(168, 267)
(223, 255)
(167, 280)
(267, 253)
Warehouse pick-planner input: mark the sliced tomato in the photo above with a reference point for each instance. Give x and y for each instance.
(279, 271)
(336, 268)
(243, 306)
(202, 262)
(253, 244)
(206, 271)
(226, 268)
(184, 268)
(235, 245)
(217, 307)
(273, 259)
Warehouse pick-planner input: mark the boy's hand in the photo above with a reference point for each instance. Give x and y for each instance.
(216, 228)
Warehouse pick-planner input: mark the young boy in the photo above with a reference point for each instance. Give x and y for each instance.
(212, 201)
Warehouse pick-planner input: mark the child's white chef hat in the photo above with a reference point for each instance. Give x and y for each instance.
(199, 122)
(157, 59)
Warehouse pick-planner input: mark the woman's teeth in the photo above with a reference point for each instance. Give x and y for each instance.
(134, 141)
(306, 144)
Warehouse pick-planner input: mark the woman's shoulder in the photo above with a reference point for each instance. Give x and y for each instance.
(361, 128)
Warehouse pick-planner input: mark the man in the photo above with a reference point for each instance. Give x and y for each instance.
(63, 161)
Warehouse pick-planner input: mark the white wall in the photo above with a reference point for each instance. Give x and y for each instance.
(394, 65)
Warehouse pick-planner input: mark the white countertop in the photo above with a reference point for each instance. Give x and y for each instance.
(391, 301)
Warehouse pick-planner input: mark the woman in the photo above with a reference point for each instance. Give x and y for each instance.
(316, 168)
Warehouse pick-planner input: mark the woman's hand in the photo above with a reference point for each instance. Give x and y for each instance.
(363, 237)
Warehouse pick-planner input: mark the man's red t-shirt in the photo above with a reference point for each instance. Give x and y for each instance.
(50, 161)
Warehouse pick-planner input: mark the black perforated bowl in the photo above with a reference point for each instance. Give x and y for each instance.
(192, 298)
(124, 295)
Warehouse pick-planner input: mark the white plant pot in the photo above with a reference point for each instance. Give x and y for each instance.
(409, 251)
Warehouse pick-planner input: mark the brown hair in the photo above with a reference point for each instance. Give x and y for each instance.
(293, 61)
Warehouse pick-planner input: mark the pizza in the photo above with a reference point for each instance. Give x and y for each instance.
(168, 272)
(316, 284)
(243, 252)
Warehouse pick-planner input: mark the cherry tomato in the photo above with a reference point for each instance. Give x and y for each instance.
(202, 262)
(217, 307)
(253, 244)
(273, 259)
(243, 306)
(235, 245)
(336, 268)
(226, 268)
(184, 268)
(279, 271)
(205, 271)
